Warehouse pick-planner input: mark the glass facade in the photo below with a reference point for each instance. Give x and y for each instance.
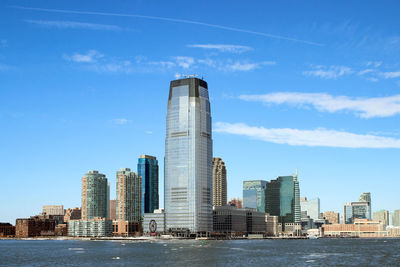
(95, 196)
(312, 207)
(129, 196)
(366, 197)
(148, 169)
(188, 157)
(254, 194)
(282, 198)
(356, 210)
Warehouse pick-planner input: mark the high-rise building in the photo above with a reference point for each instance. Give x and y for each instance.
(332, 217)
(282, 199)
(188, 157)
(366, 197)
(312, 207)
(254, 194)
(148, 169)
(382, 216)
(113, 209)
(95, 196)
(129, 196)
(355, 210)
(236, 202)
(396, 218)
(219, 182)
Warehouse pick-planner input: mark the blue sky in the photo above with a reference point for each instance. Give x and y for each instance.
(310, 85)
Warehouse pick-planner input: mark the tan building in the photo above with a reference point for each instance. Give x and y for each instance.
(219, 182)
(360, 228)
(53, 210)
(332, 217)
(272, 225)
(382, 216)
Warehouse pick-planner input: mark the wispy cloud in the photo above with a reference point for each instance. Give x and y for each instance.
(74, 25)
(241, 66)
(314, 138)
(184, 21)
(363, 107)
(120, 121)
(390, 74)
(90, 57)
(330, 72)
(374, 64)
(223, 47)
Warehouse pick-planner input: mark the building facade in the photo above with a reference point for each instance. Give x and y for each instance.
(148, 169)
(95, 196)
(355, 210)
(154, 223)
(129, 196)
(396, 218)
(282, 198)
(312, 207)
(188, 158)
(254, 194)
(72, 214)
(229, 220)
(6, 229)
(113, 209)
(366, 197)
(219, 182)
(35, 226)
(57, 211)
(332, 217)
(382, 216)
(96, 227)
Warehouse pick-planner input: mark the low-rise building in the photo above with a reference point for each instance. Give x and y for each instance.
(154, 223)
(255, 221)
(34, 226)
(272, 225)
(332, 217)
(72, 214)
(7, 229)
(126, 228)
(229, 220)
(360, 228)
(97, 227)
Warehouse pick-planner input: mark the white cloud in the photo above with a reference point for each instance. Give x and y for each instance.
(374, 63)
(120, 121)
(363, 107)
(223, 47)
(331, 72)
(89, 57)
(391, 74)
(243, 66)
(164, 64)
(148, 132)
(184, 62)
(74, 25)
(314, 138)
(366, 71)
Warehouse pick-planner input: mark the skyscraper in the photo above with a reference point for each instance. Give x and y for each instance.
(282, 198)
(95, 196)
(382, 216)
(148, 169)
(311, 206)
(356, 210)
(188, 157)
(396, 218)
(129, 196)
(254, 194)
(219, 182)
(366, 197)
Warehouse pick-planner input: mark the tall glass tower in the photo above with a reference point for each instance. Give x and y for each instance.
(188, 158)
(254, 194)
(148, 169)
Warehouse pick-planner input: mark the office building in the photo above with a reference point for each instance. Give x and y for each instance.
(359, 228)
(396, 218)
(57, 211)
(229, 220)
(96, 227)
(332, 217)
(219, 182)
(282, 199)
(254, 194)
(188, 158)
(366, 197)
(236, 202)
(355, 210)
(272, 225)
(35, 226)
(148, 169)
(95, 196)
(310, 207)
(154, 223)
(382, 216)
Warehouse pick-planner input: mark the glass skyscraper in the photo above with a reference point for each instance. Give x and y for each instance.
(148, 169)
(254, 194)
(95, 196)
(188, 158)
(282, 198)
(356, 210)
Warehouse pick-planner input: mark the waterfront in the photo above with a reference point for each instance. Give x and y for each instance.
(327, 252)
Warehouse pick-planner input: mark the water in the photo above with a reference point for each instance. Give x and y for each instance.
(319, 252)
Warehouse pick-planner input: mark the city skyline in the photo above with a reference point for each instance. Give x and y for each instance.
(322, 96)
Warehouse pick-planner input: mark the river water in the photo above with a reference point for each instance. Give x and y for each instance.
(318, 252)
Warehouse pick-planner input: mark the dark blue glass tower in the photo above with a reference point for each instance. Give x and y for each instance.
(148, 170)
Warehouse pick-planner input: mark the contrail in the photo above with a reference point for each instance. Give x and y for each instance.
(171, 20)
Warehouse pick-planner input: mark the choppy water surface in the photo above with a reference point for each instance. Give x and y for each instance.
(320, 252)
